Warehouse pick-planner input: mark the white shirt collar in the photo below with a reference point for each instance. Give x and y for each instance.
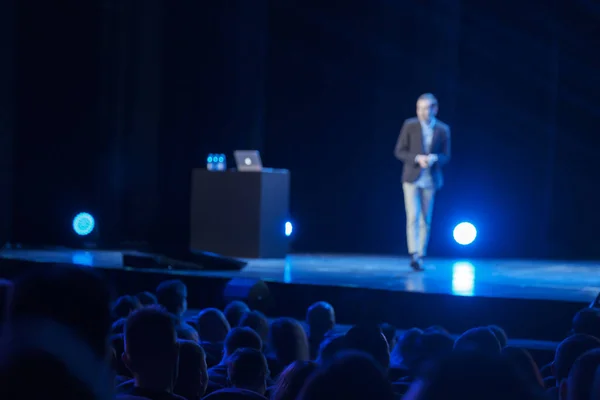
(431, 123)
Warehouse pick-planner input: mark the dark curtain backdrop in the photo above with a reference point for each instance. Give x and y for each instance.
(118, 101)
(7, 51)
(58, 142)
(129, 112)
(213, 96)
(515, 85)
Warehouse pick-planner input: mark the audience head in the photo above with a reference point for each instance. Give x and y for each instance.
(292, 379)
(147, 299)
(212, 325)
(524, 362)
(578, 386)
(257, 321)
(118, 326)
(247, 369)
(596, 386)
(587, 322)
(124, 306)
(60, 293)
(234, 311)
(429, 347)
(351, 375)
(480, 339)
(471, 375)
(404, 351)
(330, 347)
(239, 338)
(320, 318)
(288, 341)
(172, 295)
(370, 340)
(151, 348)
(118, 344)
(6, 295)
(389, 331)
(500, 334)
(568, 351)
(47, 326)
(192, 379)
(38, 375)
(437, 328)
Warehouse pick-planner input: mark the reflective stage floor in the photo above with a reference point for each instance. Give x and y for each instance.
(517, 279)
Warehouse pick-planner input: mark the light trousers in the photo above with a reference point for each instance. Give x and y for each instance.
(418, 203)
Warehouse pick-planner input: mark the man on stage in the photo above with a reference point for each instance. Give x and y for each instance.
(424, 147)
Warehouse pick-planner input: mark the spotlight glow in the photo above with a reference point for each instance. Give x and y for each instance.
(83, 224)
(463, 278)
(288, 228)
(464, 233)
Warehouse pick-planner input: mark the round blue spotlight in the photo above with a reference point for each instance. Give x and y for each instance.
(288, 228)
(83, 224)
(464, 233)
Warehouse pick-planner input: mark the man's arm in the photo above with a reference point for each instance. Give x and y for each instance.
(402, 150)
(444, 156)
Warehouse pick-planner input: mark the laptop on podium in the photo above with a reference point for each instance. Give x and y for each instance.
(248, 160)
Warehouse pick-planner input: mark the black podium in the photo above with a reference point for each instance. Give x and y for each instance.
(240, 214)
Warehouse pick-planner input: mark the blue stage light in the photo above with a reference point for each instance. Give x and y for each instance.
(288, 228)
(464, 233)
(83, 224)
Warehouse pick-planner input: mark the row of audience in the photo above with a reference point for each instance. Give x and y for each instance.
(63, 337)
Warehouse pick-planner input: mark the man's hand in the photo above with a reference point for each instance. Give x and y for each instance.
(432, 159)
(422, 160)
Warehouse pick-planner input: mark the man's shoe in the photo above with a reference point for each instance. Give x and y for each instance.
(416, 263)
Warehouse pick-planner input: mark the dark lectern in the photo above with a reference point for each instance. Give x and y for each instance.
(240, 214)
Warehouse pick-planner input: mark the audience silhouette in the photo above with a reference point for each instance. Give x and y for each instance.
(62, 328)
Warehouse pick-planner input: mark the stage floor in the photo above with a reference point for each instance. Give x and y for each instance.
(525, 279)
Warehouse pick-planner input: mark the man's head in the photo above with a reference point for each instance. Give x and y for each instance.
(389, 331)
(212, 325)
(369, 339)
(330, 347)
(151, 349)
(248, 369)
(405, 351)
(427, 107)
(59, 332)
(579, 384)
(524, 362)
(320, 318)
(146, 298)
(192, 379)
(471, 375)
(500, 334)
(429, 347)
(568, 351)
(6, 293)
(257, 321)
(74, 297)
(587, 322)
(172, 295)
(480, 339)
(124, 306)
(288, 341)
(234, 311)
(350, 375)
(239, 338)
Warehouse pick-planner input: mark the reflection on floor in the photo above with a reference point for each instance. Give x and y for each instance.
(537, 279)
